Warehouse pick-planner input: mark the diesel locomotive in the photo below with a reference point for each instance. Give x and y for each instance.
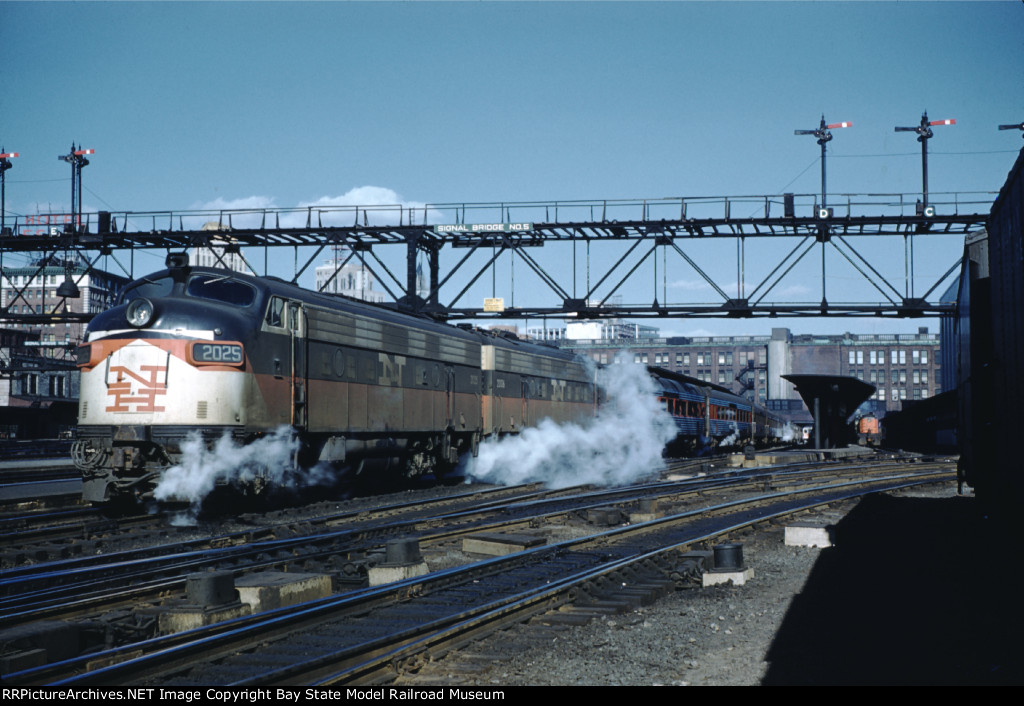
(193, 352)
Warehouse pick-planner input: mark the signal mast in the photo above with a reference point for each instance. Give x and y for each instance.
(77, 159)
(5, 164)
(924, 133)
(824, 136)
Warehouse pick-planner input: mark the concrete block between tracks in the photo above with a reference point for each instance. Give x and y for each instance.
(389, 573)
(500, 544)
(178, 618)
(808, 534)
(268, 590)
(738, 578)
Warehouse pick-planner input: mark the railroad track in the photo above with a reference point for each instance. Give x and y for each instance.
(349, 638)
(90, 584)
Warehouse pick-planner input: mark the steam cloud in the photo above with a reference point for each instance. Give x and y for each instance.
(619, 446)
(201, 468)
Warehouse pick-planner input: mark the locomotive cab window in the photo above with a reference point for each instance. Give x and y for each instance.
(148, 288)
(221, 289)
(277, 313)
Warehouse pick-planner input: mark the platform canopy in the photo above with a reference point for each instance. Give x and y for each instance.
(831, 399)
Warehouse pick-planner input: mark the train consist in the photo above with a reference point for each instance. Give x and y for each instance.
(199, 353)
(707, 415)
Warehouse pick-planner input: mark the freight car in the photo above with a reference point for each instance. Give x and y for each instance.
(204, 354)
(990, 354)
(706, 415)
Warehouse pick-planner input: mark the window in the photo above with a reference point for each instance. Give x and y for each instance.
(853, 358)
(276, 315)
(148, 288)
(903, 377)
(893, 357)
(915, 356)
(221, 289)
(917, 377)
(728, 358)
(686, 358)
(903, 357)
(860, 357)
(924, 357)
(700, 359)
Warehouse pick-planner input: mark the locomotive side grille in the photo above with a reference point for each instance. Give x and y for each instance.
(85, 409)
(201, 406)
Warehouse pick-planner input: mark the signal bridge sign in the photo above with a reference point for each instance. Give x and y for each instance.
(483, 228)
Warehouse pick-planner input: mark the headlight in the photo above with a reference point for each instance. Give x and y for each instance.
(140, 312)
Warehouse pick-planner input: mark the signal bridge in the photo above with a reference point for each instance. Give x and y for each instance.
(596, 247)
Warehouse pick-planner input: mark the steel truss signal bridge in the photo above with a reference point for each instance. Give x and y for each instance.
(767, 239)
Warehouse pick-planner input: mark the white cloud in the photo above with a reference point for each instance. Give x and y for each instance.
(369, 205)
(248, 202)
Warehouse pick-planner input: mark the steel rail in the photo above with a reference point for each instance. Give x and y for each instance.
(233, 635)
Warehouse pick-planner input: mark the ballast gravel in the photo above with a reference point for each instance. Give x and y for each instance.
(904, 597)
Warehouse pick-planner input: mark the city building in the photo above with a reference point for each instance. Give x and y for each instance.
(900, 366)
(38, 377)
(220, 253)
(610, 330)
(33, 290)
(351, 278)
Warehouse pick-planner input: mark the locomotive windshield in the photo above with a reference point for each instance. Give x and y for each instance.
(149, 288)
(222, 289)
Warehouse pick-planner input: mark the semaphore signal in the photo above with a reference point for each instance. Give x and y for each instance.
(824, 136)
(5, 164)
(924, 133)
(1016, 126)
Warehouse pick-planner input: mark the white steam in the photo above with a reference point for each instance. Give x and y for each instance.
(789, 432)
(732, 438)
(622, 444)
(267, 461)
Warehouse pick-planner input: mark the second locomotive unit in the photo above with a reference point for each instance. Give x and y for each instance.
(194, 351)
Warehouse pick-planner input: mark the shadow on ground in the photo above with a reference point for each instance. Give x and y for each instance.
(915, 591)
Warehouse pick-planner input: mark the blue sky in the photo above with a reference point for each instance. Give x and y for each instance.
(192, 105)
